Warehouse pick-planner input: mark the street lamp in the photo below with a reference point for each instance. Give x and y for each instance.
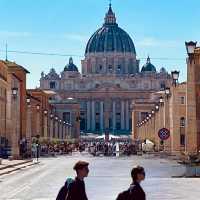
(161, 100)
(175, 76)
(45, 112)
(14, 92)
(157, 107)
(60, 120)
(38, 107)
(56, 118)
(150, 115)
(28, 100)
(190, 47)
(152, 112)
(51, 116)
(167, 92)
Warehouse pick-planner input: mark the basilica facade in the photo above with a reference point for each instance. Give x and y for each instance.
(110, 81)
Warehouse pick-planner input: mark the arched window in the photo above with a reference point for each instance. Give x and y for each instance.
(182, 122)
(52, 85)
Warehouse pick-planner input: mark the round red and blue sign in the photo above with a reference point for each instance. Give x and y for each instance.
(164, 134)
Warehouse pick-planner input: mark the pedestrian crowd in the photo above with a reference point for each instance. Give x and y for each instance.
(111, 148)
(53, 149)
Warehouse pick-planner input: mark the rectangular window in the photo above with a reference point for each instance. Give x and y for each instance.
(67, 117)
(182, 140)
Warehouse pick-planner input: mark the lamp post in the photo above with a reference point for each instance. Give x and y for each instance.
(157, 108)
(175, 77)
(56, 127)
(14, 92)
(45, 123)
(60, 129)
(51, 126)
(167, 92)
(38, 120)
(28, 126)
(190, 47)
(161, 100)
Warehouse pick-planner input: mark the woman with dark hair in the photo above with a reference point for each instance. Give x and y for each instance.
(135, 191)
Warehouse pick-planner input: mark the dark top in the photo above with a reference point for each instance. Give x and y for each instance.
(77, 190)
(135, 192)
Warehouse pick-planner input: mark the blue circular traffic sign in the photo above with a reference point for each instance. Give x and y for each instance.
(164, 134)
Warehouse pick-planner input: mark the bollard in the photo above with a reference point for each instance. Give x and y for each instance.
(1, 161)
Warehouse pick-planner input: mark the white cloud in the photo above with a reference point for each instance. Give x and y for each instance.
(14, 34)
(76, 37)
(153, 42)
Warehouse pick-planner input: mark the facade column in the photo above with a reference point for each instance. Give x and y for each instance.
(88, 115)
(60, 129)
(28, 129)
(38, 127)
(93, 116)
(167, 143)
(101, 116)
(193, 102)
(122, 115)
(127, 115)
(45, 126)
(51, 127)
(135, 133)
(114, 116)
(56, 128)
(15, 128)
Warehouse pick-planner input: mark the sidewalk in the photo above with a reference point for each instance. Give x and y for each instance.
(8, 166)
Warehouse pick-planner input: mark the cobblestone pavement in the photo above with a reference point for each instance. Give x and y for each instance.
(108, 176)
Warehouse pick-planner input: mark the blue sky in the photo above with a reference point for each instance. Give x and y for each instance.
(158, 28)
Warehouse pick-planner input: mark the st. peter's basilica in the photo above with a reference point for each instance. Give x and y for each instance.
(110, 81)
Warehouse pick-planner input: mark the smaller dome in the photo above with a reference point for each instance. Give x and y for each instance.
(163, 70)
(148, 67)
(71, 67)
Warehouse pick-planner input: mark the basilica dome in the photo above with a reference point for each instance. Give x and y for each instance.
(148, 67)
(110, 38)
(71, 67)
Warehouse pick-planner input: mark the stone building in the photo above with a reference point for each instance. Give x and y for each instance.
(13, 106)
(109, 82)
(3, 101)
(168, 111)
(193, 98)
(44, 116)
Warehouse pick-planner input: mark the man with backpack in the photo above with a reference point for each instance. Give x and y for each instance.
(75, 189)
(135, 191)
(64, 190)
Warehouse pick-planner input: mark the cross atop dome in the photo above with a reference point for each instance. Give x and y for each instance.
(148, 59)
(110, 16)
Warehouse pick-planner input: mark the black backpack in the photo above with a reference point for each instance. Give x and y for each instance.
(62, 194)
(124, 195)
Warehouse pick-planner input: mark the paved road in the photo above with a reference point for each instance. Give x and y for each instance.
(108, 176)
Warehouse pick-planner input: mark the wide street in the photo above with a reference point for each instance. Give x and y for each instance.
(108, 176)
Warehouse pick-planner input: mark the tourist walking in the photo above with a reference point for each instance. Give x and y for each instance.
(77, 188)
(135, 191)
